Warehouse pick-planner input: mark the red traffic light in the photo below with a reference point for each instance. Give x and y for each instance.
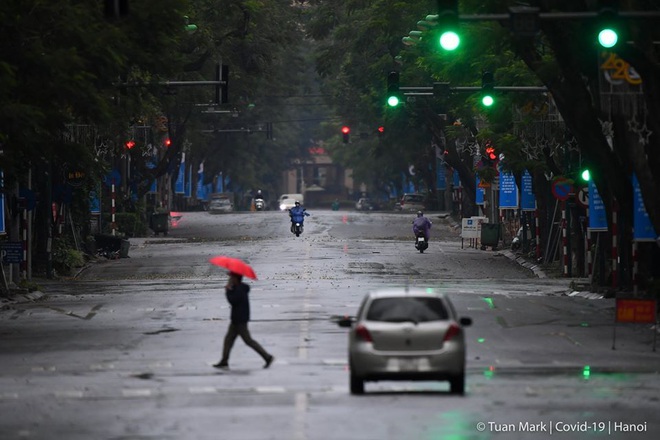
(345, 129)
(168, 142)
(490, 152)
(381, 129)
(130, 144)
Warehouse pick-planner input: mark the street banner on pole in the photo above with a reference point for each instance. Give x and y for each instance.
(527, 199)
(508, 191)
(179, 185)
(597, 214)
(440, 175)
(481, 192)
(189, 182)
(642, 227)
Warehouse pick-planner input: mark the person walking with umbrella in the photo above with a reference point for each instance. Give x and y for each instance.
(237, 296)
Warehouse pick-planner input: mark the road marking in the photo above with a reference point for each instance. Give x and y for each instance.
(299, 421)
(69, 394)
(202, 390)
(138, 392)
(270, 390)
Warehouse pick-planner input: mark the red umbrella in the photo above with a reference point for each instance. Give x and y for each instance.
(234, 265)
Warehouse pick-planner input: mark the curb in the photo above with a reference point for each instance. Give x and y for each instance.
(22, 298)
(524, 263)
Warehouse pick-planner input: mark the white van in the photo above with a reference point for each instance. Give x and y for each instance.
(288, 201)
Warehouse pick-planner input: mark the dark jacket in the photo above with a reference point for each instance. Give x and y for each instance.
(240, 303)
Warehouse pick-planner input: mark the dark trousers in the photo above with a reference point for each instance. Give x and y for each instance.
(241, 330)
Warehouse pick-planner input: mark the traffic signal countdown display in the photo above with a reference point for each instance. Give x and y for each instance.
(490, 156)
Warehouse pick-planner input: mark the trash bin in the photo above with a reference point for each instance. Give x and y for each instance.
(490, 235)
(159, 222)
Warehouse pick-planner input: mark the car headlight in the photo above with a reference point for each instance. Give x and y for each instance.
(282, 207)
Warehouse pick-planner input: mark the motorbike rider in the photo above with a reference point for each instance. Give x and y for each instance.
(422, 224)
(297, 214)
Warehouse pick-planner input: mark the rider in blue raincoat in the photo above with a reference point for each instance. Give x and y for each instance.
(297, 214)
(422, 224)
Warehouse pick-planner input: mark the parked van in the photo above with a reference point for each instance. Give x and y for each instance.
(412, 202)
(288, 201)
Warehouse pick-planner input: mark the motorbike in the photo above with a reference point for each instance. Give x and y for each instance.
(259, 204)
(297, 220)
(297, 228)
(421, 244)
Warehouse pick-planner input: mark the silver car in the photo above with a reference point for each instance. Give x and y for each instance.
(406, 334)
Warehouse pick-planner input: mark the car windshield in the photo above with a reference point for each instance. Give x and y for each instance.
(404, 309)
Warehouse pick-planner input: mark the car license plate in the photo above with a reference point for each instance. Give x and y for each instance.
(408, 364)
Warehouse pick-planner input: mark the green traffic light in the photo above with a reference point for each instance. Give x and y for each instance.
(449, 40)
(608, 37)
(393, 101)
(487, 100)
(586, 175)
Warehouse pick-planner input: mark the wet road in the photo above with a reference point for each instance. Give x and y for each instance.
(124, 351)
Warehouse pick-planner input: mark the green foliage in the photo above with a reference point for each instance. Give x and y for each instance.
(65, 257)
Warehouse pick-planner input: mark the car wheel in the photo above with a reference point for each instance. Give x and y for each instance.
(357, 385)
(457, 384)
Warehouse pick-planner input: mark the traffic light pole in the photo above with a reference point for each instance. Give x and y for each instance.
(432, 91)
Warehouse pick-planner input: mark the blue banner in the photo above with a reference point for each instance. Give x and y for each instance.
(179, 185)
(481, 193)
(189, 183)
(597, 213)
(642, 227)
(527, 199)
(440, 176)
(201, 189)
(508, 191)
(94, 203)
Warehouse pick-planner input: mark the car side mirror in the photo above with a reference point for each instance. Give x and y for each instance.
(346, 321)
(465, 321)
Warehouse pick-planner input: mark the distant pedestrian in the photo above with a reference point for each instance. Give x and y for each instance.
(237, 295)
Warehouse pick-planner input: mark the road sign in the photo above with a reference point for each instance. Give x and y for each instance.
(582, 196)
(639, 311)
(12, 252)
(562, 188)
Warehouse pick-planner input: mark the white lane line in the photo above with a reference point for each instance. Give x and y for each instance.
(300, 416)
(138, 392)
(203, 390)
(69, 394)
(270, 390)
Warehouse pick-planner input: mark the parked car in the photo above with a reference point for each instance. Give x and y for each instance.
(412, 202)
(218, 206)
(288, 201)
(364, 204)
(406, 334)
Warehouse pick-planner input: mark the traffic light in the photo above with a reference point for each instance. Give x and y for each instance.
(380, 131)
(393, 89)
(346, 133)
(585, 174)
(490, 156)
(487, 88)
(167, 142)
(448, 24)
(609, 26)
(129, 144)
